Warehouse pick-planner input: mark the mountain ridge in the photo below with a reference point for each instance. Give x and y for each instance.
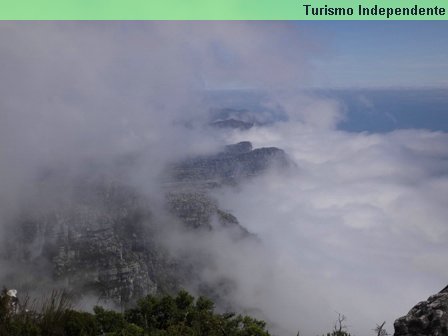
(103, 239)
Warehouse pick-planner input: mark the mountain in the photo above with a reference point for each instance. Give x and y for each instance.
(235, 163)
(101, 237)
(428, 317)
(97, 242)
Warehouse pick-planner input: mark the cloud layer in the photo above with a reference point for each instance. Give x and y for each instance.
(362, 222)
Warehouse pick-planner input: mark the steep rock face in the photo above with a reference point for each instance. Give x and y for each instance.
(235, 163)
(99, 243)
(103, 241)
(427, 318)
(198, 211)
(239, 148)
(103, 262)
(99, 236)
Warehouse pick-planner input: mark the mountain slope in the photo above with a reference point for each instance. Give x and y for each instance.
(103, 237)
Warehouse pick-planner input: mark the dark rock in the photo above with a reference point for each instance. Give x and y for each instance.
(197, 210)
(104, 242)
(427, 318)
(239, 148)
(98, 236)
(234, 164)
(100, 243)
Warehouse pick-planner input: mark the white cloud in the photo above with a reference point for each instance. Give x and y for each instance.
(359, 218)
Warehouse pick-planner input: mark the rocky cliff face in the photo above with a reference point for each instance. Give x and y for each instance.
(427, 318)
(103, 238)
(235, 163)
(198, 211)
(101, 242)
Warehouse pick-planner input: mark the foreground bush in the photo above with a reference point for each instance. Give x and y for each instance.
(159, 316)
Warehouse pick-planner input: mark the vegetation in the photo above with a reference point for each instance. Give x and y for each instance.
(380, 331)
(182, 315)
(339, 329)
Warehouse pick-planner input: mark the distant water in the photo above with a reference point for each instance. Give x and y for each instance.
(371, 110)
(380, 111)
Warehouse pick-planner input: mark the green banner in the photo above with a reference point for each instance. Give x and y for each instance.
(223, 9)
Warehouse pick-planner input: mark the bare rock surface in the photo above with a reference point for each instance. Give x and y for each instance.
(427, 318)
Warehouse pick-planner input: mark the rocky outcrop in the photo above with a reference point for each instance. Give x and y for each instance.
(230, 166)
(103, 241)
(239, 148)
(100, 243)
(99, 237)
(197, 210)
(105, 263)
(427, 318)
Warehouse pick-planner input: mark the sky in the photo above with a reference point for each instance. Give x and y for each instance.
(359, 227)
(380, 53)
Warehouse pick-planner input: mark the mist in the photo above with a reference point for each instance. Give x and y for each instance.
(360, 225)
(72, 92)
(357, 228)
